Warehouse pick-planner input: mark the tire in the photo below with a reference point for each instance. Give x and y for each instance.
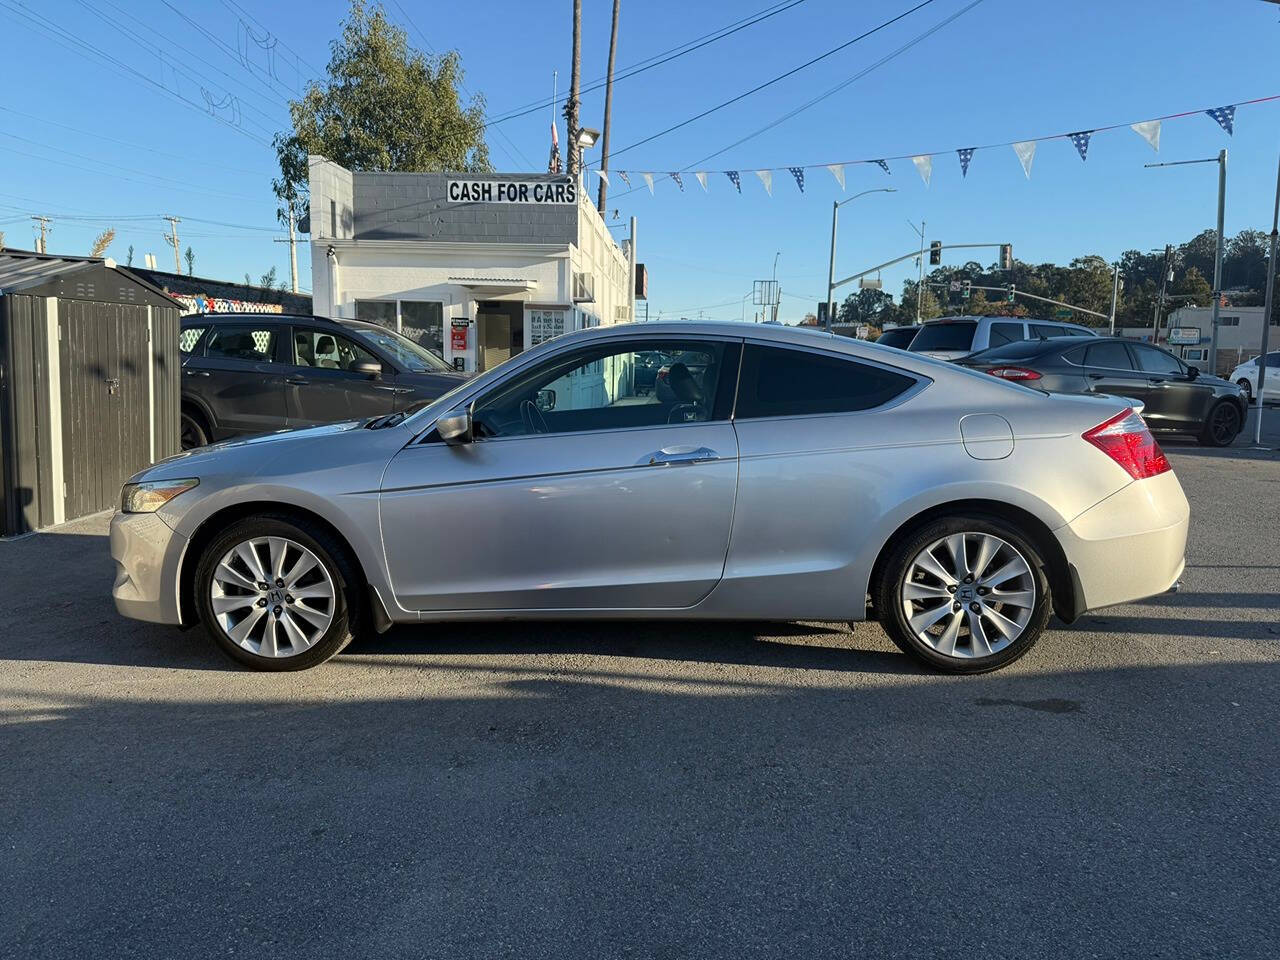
(1247, 389)
(954, 649)
(1222, 425)
(302, 631)
(193, 431)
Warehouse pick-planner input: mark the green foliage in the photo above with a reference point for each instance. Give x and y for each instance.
(865, 306)
(129, 257)
(381, 106)
(190, 257)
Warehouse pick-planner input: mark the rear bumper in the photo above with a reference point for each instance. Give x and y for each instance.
(1130, 546)
(146, 553)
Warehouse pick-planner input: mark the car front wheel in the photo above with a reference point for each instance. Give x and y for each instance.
(278, 594)
(1247, 389)
(1222, 425)
(964, 594)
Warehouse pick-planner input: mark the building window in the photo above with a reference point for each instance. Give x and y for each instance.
(422, 321)
(544, 325)
(377, 311)
(1228, 321)
(1193, 355)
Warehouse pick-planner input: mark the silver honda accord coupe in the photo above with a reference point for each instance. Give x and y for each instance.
(765, 473)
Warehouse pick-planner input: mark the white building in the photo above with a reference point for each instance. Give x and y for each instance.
(1239, 334)
(476, 267)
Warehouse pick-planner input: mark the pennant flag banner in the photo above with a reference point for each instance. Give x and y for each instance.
(1148, 130)
(1081, 140)
(1226, 117)
(1026, 151)
(924, 164)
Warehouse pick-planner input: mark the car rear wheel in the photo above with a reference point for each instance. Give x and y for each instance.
(278, 594)
(1222, 425)
(193, 433)
(964, 594)
(1246, 388)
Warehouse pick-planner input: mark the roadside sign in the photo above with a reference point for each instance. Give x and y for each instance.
(955, 286)
(870, 283)
(1184, 335)
(863, 331)
(1062, 313)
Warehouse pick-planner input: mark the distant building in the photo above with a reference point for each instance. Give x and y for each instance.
(202, 295)
(1239, 334)
(474, 266)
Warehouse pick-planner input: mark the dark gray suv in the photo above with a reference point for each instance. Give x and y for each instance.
(249, 373)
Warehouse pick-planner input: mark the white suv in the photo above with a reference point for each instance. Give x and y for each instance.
(950, 338)
(1246, 375)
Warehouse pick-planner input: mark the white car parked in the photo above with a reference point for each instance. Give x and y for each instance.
(1246, 375)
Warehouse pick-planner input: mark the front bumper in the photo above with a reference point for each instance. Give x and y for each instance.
(1130, 546)
(147, 555)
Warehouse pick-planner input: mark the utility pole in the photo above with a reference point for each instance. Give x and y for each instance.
(831, 266)
(171, 238)
(293, 251)
(1115, 294)
(1217, 264)
(44, 233)
(1266, 311)
(571, 108)
(608, 107)
(920, 281)
(1164, 283)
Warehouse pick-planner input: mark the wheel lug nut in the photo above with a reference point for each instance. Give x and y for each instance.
(951, 589)
(288, 598)
(983, 591)
(974, 607)
(277, 611)
(262, 602)
(279, 581)
(956, 608)
(969, 578)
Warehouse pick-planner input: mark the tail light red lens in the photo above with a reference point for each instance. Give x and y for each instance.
(1021, 374)
(1126, 440)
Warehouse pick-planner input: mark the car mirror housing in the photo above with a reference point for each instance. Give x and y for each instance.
(455, 427)
(367, 368)
(1193, 373)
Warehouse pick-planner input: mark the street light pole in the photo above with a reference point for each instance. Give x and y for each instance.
(831, 269)
(1115, 292)
(1217, 263)
(1266, 310)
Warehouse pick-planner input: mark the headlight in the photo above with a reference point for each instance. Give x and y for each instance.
(148, 497)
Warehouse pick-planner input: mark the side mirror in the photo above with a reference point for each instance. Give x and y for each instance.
(546, 400)
(368, 368)
(1193, 373)
(455, 426)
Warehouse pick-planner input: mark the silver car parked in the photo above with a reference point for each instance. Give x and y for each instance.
(781, 475)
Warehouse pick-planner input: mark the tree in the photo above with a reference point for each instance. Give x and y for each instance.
(381, 106)
(268, 279)
(865, 306)
(102, 241)
(810, 320)
(129, 257)
(190, 257)
(1194, 289)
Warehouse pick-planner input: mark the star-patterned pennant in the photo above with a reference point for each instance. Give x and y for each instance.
(702, 179)
(1026, 151)
(679, 183)
(924, 166)
(734, 179)
(798, 173)
(648, 178)
(884, 165)
(1226, 117)
(1148, 130)
(1081, 140)
(966, 154)
(766, 177)
(837, 171)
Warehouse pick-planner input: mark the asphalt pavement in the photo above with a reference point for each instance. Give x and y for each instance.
(672, 790)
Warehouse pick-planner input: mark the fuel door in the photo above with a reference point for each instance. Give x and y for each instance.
(986, 436)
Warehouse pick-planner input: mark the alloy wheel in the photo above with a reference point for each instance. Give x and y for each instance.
(1224, 423)
(968, 595)
(272, 596)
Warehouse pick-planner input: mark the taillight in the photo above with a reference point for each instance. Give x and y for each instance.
(1014, 373)
(1126, 440)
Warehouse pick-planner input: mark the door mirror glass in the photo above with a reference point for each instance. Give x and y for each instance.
(1193, 373)
(367, 368)
(455, 426)
(546, 400)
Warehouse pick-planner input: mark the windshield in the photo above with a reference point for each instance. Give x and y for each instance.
(404, 351)
(944, 336)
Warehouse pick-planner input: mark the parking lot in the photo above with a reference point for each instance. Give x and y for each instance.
(645, 790)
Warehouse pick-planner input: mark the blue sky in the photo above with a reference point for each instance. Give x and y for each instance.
(135, 139)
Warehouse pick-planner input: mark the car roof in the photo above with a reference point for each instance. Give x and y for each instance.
(242, 316)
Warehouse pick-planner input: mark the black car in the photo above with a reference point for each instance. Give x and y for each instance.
(250, 373)
(1176, 398)
(899, 337)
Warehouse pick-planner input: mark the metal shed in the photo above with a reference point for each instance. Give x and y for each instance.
(89, 385)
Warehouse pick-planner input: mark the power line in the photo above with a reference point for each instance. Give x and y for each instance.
(241, 12)
(772, 81)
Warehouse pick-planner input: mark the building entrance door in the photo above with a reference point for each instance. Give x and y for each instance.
(499, 333)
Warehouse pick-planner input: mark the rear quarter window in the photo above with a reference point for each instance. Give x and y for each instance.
(783, 382)
(945, 336)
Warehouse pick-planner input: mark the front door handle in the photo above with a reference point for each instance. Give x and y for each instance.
(297, 381)
(674, 456)
(197, 373)
(1155, 380)
(1095, 376)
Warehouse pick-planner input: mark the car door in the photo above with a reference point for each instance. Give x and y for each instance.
(235, 376)
(1271, 386)
(1172, 401)
(1109, 369)
(321, 384)
(580, 489)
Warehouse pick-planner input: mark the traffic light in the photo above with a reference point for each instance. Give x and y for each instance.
(1009, 293)
(966, 288)
(935, 252)
(1006, 256)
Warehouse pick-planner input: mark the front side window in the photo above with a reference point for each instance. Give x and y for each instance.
(1049, 330)
(1111, 355)
(327, 351)
(782, 382)
(1002, 333)
(1151, 360)
(609, 387)
(242, 342)
(1273, 360)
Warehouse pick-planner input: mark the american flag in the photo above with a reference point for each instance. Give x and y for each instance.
(884, 165)
(1081, 140)
(625, 178)
(1225, 116)
(679, 183)
(733, 176)
(966, 154)
(798, 173)
(553, 165)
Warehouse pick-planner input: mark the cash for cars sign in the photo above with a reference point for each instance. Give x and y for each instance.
(513, 191)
